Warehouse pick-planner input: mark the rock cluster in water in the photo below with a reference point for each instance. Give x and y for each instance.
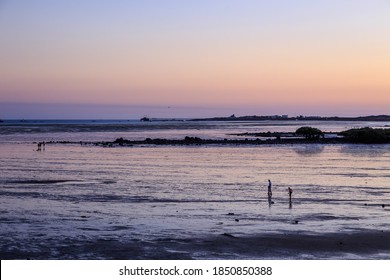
(191, 141)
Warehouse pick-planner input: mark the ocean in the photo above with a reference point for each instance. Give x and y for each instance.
(75, 201)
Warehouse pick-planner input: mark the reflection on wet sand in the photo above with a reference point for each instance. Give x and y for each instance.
(308, 150)
(365, 150)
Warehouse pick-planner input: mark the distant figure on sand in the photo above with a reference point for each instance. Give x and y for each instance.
(289, 194)
(41, 145)
(290, 191)
(269, 189)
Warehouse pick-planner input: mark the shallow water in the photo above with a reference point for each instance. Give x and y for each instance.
(73, 201)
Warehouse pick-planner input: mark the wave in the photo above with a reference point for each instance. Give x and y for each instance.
(114, 198)
(36, 182)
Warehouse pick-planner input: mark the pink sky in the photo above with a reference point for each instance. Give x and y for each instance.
(320, 57)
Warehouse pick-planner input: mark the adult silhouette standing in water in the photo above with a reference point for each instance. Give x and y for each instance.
(269, 189)
(270, 202)
(290, 191)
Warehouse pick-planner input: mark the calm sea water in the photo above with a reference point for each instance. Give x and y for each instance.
(193, 202)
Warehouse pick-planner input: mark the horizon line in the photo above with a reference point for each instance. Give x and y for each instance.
(272, 117)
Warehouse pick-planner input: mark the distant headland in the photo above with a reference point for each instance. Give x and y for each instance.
(376, 118)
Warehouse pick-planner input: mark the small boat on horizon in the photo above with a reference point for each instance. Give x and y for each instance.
(145, 119)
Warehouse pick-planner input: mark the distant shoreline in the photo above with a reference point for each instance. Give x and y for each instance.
(377, 118)
(373, 118)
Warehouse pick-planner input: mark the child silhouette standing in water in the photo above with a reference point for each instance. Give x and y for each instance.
(290, 191)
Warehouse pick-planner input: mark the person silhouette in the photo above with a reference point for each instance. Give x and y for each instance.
(290, 191)
(269, 189)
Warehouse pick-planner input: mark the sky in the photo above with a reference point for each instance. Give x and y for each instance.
(177, 58)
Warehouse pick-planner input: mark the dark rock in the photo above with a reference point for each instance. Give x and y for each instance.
(229, 235)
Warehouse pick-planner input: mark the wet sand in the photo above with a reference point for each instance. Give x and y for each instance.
(354, 245)
(293, 245)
